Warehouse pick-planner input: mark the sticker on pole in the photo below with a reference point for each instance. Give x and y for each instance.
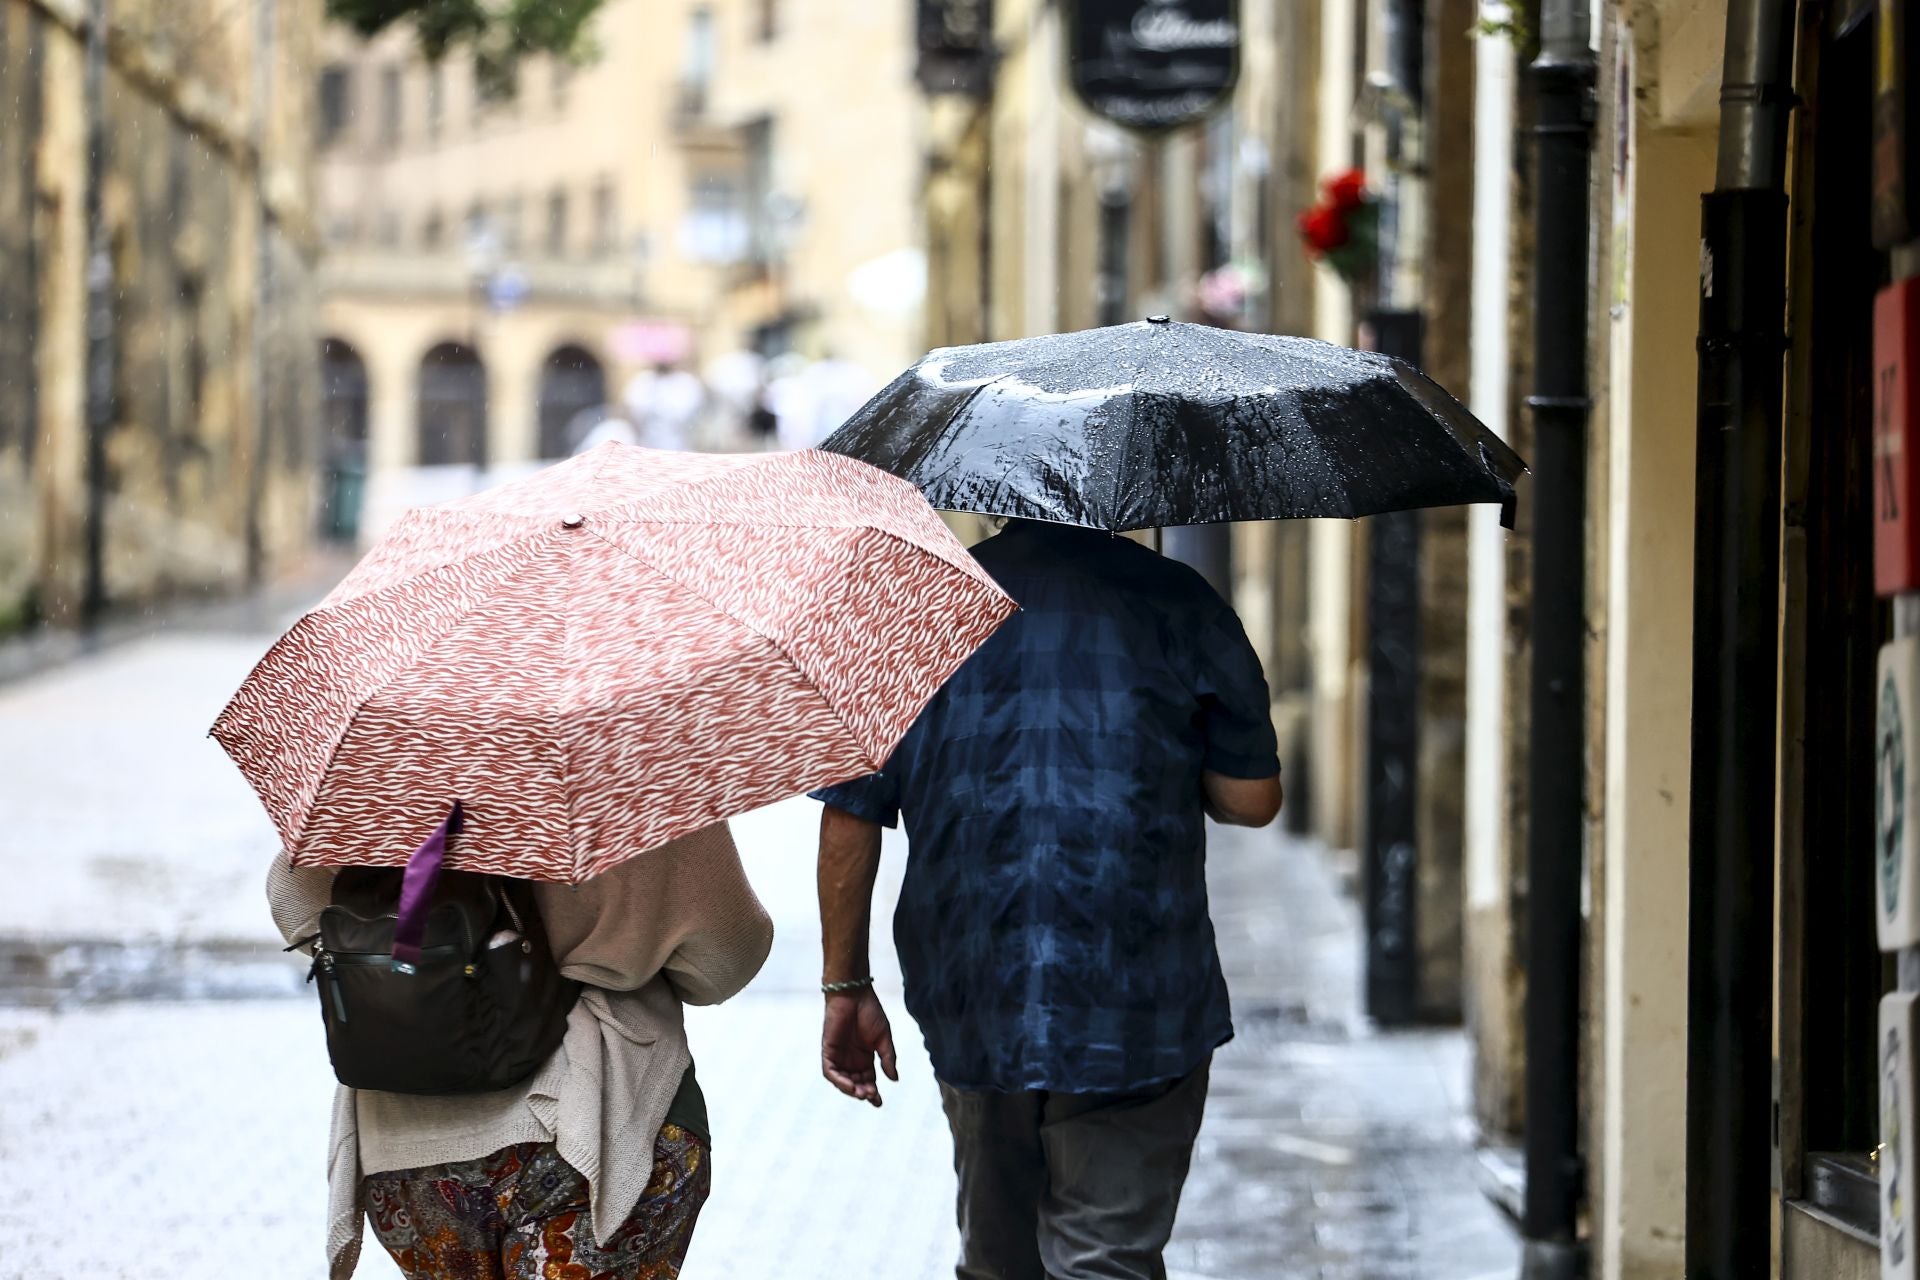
(1896, 797)
(1895, 1060)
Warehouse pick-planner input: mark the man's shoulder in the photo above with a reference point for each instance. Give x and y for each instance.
(1176, 589)
(1109, 564)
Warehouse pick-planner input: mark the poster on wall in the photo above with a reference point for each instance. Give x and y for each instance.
(1897, 1159)
(1896, 796)
(1896, 438)
(1153, 64)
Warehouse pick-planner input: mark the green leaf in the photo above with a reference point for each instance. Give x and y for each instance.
(497, 33)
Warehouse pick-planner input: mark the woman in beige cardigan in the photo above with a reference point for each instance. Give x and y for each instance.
(597, 1164)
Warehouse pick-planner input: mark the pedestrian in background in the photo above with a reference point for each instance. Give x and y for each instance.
(1053, 927)
(664, 403)
(599, 1163)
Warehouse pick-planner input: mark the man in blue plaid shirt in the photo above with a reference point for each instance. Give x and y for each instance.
(1053, 927)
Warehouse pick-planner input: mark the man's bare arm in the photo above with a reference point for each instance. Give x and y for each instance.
(1241, 802)
(855, 1027)
(849, 863)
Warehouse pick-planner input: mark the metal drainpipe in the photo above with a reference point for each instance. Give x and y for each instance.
(1563, 78)
(1735, 654)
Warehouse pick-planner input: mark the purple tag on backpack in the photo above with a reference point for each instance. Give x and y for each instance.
(416, 891)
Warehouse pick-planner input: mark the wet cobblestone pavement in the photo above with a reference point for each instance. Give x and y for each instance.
(163, 1100)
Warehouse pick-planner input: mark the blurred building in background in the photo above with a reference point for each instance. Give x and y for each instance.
(670, 235)
(157, 392)
(739, 218)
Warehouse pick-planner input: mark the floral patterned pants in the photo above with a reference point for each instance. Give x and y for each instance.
(521, 1214)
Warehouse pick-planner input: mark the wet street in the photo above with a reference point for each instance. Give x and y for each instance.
(164, 1090)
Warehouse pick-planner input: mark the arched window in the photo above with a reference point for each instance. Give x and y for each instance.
(343, 423)
(572, 385)
(453, 407)
(343, 399)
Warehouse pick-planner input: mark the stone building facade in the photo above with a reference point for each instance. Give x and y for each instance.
(157, 425)
(721, 177)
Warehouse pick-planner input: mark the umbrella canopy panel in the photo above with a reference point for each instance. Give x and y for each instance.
(607, 655)
(1156, 423)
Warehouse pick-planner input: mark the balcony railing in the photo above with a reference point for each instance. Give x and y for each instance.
(606, 280)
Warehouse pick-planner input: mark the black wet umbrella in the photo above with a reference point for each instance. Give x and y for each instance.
(1147, 425)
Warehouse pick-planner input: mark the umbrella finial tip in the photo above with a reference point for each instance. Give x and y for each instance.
(1157, 320)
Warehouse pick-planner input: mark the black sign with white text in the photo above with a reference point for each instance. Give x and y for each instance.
(1153, 64)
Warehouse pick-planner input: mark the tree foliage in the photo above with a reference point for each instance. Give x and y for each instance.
(497, 33)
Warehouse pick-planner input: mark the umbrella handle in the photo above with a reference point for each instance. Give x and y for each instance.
(416, 891)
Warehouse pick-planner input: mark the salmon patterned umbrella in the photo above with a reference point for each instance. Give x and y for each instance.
(606, 655)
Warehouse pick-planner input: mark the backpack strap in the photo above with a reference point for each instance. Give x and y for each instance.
(416, 890)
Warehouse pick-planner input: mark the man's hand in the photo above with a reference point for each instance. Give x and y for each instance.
(856, 1029)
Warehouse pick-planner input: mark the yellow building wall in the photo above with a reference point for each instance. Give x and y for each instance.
(1639, 1220)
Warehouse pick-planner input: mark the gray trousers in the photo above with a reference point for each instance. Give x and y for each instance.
(1071, 1186)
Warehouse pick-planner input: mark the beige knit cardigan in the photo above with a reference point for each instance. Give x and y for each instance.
(679, 923)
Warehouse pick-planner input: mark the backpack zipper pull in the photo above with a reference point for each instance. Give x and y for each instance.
(325, 961)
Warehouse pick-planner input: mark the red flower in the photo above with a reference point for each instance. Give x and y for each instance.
(1346, 190)
(1324, 228)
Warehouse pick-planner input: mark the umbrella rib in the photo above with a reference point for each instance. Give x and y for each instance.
(325, 608)
(568, 677)
(777, 646)
(353, 718)
(534, 530)
(948, 427)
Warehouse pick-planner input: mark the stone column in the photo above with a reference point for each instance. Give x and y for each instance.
(60, 455)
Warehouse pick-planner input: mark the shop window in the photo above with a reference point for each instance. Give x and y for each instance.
(512, 224)
(557, 223)
(606, 218)
(392, 104)
(343, 392)
(573, 392)
(452, 425)
(696, 66)
(436, 101)
(715, 228)
(336, 103)
(764, 243)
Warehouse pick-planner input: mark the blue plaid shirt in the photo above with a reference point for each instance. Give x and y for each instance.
(1053, 926)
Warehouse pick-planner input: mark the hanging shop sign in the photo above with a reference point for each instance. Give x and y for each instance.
(1897, 1147)
(650, 342)
(1896, 796)
(1896, 127)
(1896, 438)
(1153, 64)
(956, 46)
